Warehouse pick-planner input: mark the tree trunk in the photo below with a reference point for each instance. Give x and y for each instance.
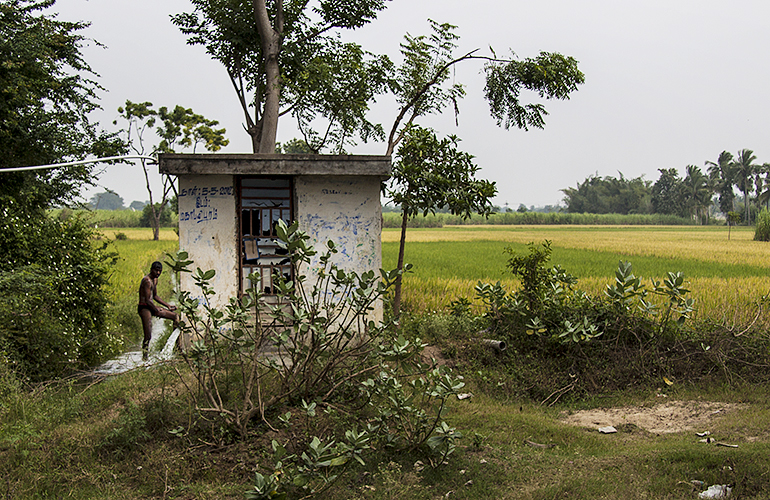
(254, 134)
(155, 220)
(270, 112)
(271, 38)
(400, 265)
(155, 224)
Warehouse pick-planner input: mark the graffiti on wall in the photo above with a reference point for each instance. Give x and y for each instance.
(204, 200)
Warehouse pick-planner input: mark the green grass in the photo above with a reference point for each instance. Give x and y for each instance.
(726, 277)
(59, 442)
(135, 255)
(486, 260)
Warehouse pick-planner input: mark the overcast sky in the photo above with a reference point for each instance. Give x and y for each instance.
(669, 83)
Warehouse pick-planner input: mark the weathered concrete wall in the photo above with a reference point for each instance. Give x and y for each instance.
(347, 211)
(336, 198)
(207, 231)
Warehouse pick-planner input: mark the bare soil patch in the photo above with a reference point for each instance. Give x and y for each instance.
(663, 418)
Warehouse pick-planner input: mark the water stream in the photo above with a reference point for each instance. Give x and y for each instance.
(133, 358)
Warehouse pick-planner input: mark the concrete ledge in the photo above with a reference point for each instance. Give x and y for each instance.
(274, 164)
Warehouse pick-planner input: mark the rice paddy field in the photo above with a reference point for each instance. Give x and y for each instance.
(114, 439)
(727, 277)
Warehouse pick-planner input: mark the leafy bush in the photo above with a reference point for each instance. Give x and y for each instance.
(52, 298)
(762, 232)
(325, 349)
(548, 305)
(561, 340)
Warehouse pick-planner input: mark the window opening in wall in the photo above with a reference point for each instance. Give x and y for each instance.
(263, 201)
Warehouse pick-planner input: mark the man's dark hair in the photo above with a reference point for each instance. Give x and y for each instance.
(156, 265)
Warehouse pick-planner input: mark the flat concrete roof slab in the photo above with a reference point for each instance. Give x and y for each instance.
(274, 164)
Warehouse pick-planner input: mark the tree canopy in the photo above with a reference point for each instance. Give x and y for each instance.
(609, 195)
(46, 93)
(107, 200)
(421, 87)
(432, 173)
(690, 197)
(178, 128)
(52, 302)
(284, 57)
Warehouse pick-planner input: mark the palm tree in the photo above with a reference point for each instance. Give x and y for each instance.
(722, 176)
(697, 193)
(745, 170)
(763, 197)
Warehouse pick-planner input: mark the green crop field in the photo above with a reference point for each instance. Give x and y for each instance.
(726, 277)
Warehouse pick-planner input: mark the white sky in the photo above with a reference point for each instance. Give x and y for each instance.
(668, 83)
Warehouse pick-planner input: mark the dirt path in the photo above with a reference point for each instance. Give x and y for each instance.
(671, 416)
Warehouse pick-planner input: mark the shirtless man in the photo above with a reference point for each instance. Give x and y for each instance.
(148, 295)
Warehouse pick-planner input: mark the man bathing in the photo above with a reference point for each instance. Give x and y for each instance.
(148, 295)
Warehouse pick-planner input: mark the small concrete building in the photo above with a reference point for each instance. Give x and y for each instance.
(229, 205)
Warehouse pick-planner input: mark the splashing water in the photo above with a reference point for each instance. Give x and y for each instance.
(157, 354)
(133, 358)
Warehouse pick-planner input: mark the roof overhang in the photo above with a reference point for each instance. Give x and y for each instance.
(274, 164)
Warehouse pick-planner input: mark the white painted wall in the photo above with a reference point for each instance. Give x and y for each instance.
(207, 231)
(346, 210)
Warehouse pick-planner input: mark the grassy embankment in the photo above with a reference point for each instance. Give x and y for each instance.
(111, 440)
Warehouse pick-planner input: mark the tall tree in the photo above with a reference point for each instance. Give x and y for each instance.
(280, 62)
(107, 200)
(178, 128)
(745, 171)
(760, 182)
(430, 174)
(283, 57)
(667, 193)
(599, 195)
(763, 196)
(722, 176)
(46, 94)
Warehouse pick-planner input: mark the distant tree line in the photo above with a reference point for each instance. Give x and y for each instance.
(690, 197)
(394, 220)
(110, 200)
